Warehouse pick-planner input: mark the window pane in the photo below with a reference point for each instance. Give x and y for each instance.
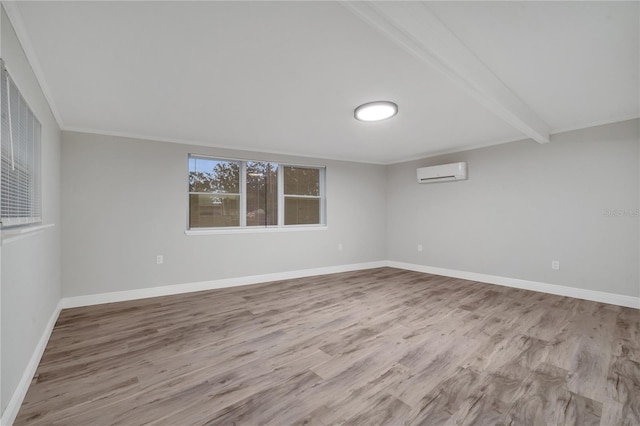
(262, 193)
(20, 158)
(211, 175)
(301, 211)
(301, 181)
(212, 211)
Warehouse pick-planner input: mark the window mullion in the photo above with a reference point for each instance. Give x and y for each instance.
(280, 195)
(243, 194)
(323, 197)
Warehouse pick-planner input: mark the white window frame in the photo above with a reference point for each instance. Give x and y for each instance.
(33, 166)
(243, 228)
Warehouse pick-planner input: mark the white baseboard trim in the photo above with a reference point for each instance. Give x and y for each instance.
(578, 293)
(167, 290)
(10, 413)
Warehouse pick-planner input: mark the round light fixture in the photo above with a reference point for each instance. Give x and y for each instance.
(375, 111)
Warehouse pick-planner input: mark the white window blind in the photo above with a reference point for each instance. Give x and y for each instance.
(20, 201)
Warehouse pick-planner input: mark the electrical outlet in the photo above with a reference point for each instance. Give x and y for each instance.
(339, 246)
(419, 247)
(555, 265)
(159, 259)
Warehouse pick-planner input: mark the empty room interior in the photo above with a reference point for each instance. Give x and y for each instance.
(320, 213)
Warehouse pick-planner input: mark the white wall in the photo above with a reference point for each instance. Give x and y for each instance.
(525, 205)
(125, 201)
(30, 272)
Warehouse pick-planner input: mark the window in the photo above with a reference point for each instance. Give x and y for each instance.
(20, 158)
(301, 195)
(237, 193)
(214, 193)
(262, 193)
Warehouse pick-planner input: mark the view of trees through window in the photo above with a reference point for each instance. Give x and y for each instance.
(214, 193)
(219, 196)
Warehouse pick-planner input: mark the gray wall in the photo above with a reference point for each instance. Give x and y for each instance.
(30, 267)
(125, 201)
(525, 205)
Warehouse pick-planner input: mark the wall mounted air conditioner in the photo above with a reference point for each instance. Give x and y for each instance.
(442, 173)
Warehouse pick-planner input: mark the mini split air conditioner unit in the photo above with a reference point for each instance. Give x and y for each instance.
(442, 173)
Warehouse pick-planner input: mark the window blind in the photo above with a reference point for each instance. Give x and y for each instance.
(20, 201)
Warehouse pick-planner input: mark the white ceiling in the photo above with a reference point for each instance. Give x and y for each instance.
(286, 76)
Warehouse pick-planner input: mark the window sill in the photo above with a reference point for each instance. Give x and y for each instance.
(224, 231)
(13, 234)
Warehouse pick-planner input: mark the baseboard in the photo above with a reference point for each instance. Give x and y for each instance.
(168, 290)
(10, 413)
(578, 293)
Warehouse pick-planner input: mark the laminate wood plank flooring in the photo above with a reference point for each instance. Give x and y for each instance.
(381, 346)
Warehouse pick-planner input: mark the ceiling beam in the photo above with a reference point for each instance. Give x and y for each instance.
(421, 33)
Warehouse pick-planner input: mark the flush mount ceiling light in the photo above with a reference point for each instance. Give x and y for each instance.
(375, 111)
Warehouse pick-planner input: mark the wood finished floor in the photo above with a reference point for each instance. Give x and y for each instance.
(381, 346)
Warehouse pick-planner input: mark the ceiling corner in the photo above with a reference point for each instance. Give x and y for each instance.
(13, 13)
